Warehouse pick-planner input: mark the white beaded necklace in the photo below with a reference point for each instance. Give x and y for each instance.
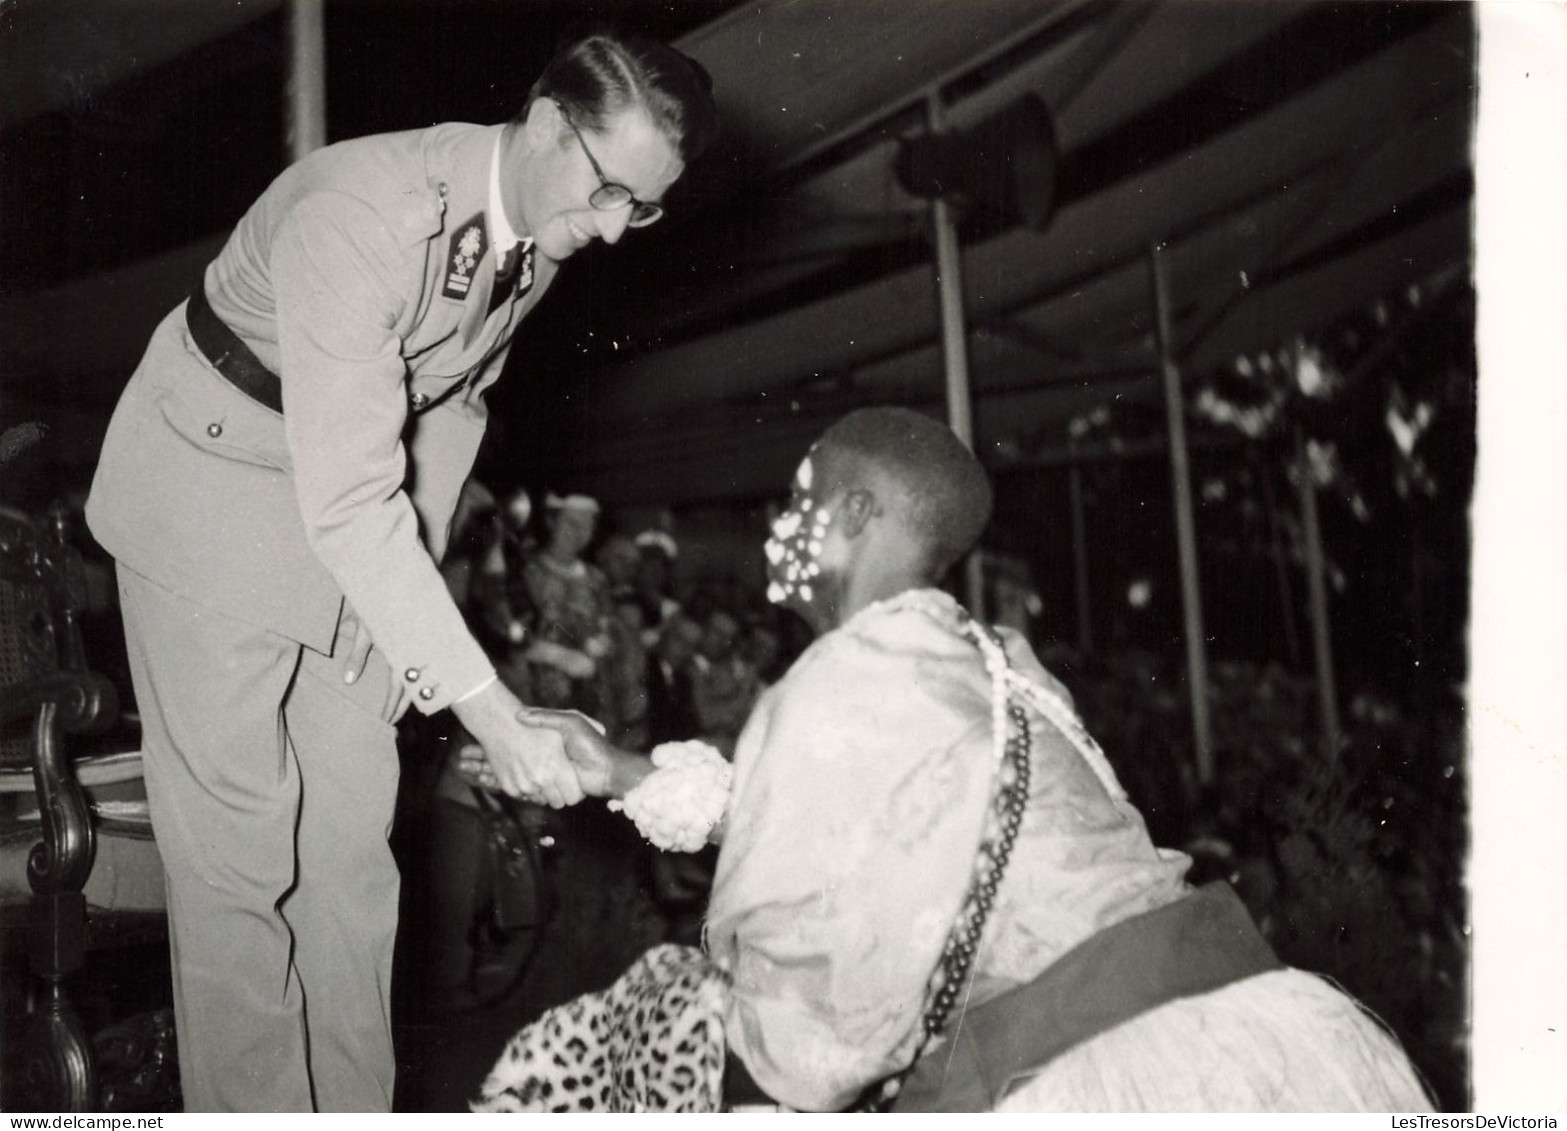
(1012, 747)
(1004, 680)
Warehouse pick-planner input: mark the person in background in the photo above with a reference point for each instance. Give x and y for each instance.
(473, 525)
(619, 558)
(762, 648)
(501, 608)
(671, 713)
(277, 485)
(484, 883)
(574, 614)
(1013, 595)
(680, 881)
(630, 671)
(724, 685)
(655, 581)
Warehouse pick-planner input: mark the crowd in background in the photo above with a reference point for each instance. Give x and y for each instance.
(621, 624)
(577, 612)
(618, 623)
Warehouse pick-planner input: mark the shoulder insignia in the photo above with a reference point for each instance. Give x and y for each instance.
(468, 243)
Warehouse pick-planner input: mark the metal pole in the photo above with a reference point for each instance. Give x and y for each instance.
(1185, 524)
(1321, 636)
(1085, 632)
(954, 342)
(306, 113)
(1281, 570)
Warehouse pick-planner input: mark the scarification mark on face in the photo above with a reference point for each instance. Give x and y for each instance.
(796, 542)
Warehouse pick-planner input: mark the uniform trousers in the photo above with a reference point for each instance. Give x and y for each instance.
(271, 786)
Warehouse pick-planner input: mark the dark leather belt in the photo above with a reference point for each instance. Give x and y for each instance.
(230, 356)
(1195, 945)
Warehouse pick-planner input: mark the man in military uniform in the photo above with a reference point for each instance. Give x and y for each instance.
(277, 486)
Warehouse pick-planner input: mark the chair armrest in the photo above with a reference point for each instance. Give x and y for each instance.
(83, 703)
(86, 702)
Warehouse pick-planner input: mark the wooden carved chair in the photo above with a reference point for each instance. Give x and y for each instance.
(80, 872)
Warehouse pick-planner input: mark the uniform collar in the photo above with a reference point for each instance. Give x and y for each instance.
(502, 234)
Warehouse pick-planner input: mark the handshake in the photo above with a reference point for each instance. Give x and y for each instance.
(554, 757)
(557, 757)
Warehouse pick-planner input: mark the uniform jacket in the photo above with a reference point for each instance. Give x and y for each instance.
(362, 276)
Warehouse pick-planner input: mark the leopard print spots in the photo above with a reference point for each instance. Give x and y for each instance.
(651, 1042)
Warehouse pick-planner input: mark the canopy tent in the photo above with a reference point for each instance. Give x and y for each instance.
(1293, 160)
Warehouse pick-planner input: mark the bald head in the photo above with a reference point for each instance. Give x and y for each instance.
(923, 478)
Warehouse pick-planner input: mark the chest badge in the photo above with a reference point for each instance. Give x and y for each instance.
(525, 272)
(467, 247)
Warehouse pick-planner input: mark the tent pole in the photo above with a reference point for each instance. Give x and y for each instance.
(1185, 523)
(1321, 636)
(1280, 564)
(306, 125)
(954, 342)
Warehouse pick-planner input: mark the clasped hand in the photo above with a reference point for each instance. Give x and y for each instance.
(556, 757)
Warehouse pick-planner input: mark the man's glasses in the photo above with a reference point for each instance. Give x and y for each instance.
(610, 196)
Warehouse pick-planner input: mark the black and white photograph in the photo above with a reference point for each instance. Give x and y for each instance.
(773, 556)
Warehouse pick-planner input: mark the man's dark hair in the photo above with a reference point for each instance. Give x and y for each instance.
(941, 494)
(601, 75)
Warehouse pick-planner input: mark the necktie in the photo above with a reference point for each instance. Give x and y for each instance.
(505, 277)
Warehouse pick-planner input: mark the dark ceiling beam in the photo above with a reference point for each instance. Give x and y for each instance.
(1329, 291)
(1269, 153)
(42, 340)
(747, 456)
(1200, 113)
(795, 239)
(1047, 346)
(1048, 396)
(1454, 192)
(55, 54)
(1063, 454)
(1320, 44)
(741, 451)
(788, 227)
(764, 48)
(1179, 42)
(1111, 35)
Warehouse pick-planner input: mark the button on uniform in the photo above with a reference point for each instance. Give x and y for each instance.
(421, 399)
(411, 675)
(214, 430)
(427, 693)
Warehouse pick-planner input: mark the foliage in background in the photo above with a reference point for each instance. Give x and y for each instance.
(1352, 867)
(1353, 864)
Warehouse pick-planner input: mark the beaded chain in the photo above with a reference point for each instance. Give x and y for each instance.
(1013, 745)
(1060, 715)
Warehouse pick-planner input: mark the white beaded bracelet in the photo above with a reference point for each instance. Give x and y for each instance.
(677, 806)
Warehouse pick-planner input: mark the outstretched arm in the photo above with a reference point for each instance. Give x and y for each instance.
(527, 761)
(603, 769)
